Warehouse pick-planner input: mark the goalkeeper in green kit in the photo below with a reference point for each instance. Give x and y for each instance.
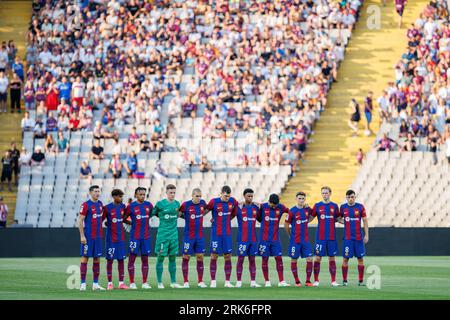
(167, 210)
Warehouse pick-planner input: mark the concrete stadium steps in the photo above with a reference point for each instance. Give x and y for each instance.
(14, 22)
(368, 65)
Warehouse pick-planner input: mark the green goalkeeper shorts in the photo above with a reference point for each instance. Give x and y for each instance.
(166, 247)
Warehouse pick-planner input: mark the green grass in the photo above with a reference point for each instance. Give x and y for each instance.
(401, 278)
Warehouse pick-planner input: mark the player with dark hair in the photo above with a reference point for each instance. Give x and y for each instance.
(247, 241)
(327, 213)
(139, 211)
(298, 218)
(115, 237)
(352, 213)
(270, 214)
(167, 210)
(194, 242)
(91, 236)
(223, 210)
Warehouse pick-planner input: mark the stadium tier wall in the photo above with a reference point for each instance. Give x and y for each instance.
(63, 242)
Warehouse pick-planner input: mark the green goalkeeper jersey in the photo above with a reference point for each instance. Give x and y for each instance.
(167, 212)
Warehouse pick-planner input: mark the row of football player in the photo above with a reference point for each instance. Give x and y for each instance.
(136, 216)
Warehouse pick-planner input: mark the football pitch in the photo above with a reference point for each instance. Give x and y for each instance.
(395, 277)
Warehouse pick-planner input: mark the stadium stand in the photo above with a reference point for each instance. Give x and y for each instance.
(405, 179)
(244, 95)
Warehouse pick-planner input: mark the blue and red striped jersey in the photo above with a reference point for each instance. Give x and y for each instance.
(326, 214)
(246, 217)
(298, 218)
(140, 218)
(270, 221)
(193, 214)
(114, 218)
(93, 222)
(222, 213)
(352, 221)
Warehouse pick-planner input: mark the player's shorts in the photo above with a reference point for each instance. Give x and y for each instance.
(194, 246)
(326, 248)
(245, 249)
(92, 249)
(302, 249)
(140, 245)
(270, 248)
(115, 250)
(167, 247)
(221, 245)
(353, 248)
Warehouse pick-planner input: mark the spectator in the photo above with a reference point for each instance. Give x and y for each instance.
(15, 92)
(385, 144)
(49, 144)
(17, 68)
(39, 131)
(52, 97)
(115, 166)
(7, 168)
(404, 129)
(25, 158)
(4, 83)
(205, 165)
(131, 165)
(109, 132)
(355, 117)
(97, 151)
(290, 157)
(3, 213)
(85, 171)
(410, 144)
(133, 137)
(433, 142)
(159, 172)
(144, 143)
(62, 143)
(117, 148)
(15, 155)
(29, 95)
(38, 158)
(368, 108)
(51, 124)
(360, 157)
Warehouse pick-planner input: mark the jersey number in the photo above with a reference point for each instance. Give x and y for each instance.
(262, 249)
(242, 247)
(133, 245)
(111, 251)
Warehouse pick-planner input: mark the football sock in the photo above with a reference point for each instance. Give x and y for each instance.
(185, 269)
(96, 271)
(213, 268)
(279, 262)
(252, 267)
(144, 268)
(83, 271)
(332, 268)
(316, 271)
(227, 268)
(131, 260)
(344, 273)
(295, 271)
(361, 272)
(265, 268)
(200, 270)
(121, 269)
(173, 269)
(109, 266)
(309, 268)
(239, 268)
(159, 268)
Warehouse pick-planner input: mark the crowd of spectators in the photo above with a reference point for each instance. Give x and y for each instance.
(265, 69)
(419, 98)
(260, 67)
